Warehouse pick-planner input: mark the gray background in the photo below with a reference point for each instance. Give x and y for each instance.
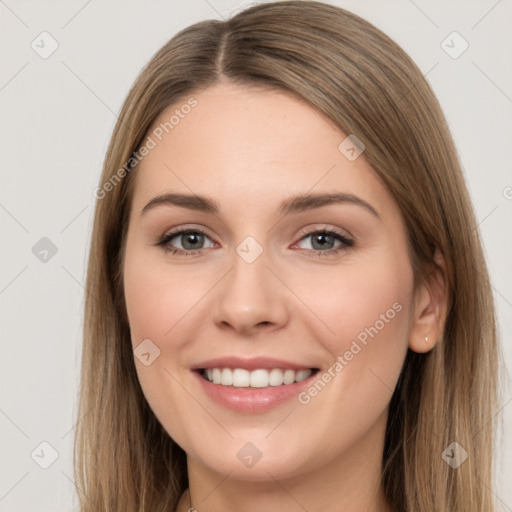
(56, 117)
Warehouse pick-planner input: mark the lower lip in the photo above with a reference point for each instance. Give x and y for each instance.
(252, 400)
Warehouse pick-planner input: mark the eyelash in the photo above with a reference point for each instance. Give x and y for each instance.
(346, 242)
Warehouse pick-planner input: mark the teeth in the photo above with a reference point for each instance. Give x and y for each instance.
(289, 376)
(226, 377)
(275, 377)
(258, 379)
(240, 378)
(302, 375)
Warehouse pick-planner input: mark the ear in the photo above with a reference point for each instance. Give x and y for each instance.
(430, 308)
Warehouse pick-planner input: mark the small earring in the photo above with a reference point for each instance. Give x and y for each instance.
(426, 339)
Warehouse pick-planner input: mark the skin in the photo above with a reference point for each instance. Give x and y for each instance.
(249, 149)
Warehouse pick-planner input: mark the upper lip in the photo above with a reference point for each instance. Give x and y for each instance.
(253, 363)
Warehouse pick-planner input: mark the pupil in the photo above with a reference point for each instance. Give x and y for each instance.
(321, 237)
(189, 236)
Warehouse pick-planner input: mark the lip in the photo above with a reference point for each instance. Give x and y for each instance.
(253, 363)
(251, 400)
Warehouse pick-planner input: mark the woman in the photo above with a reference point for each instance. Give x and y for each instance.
(253, 372)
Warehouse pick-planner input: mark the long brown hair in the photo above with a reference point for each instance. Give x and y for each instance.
(368, 86)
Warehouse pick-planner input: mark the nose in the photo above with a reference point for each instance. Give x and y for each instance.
(250, 298)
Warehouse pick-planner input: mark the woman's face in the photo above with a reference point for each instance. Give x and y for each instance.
(263, 288)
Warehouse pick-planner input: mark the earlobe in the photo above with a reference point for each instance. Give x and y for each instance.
(430, 309)
(422, 345)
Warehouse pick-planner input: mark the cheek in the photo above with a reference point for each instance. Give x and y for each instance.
(364, 310)
(158, 303)
(354, 296)
(158, 297)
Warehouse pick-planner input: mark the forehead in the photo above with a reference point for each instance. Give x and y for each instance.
(242, 144)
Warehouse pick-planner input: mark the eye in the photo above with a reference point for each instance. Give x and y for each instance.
(191, 241)
(323, 242)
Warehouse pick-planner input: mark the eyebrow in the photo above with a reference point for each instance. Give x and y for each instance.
(294, 204)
